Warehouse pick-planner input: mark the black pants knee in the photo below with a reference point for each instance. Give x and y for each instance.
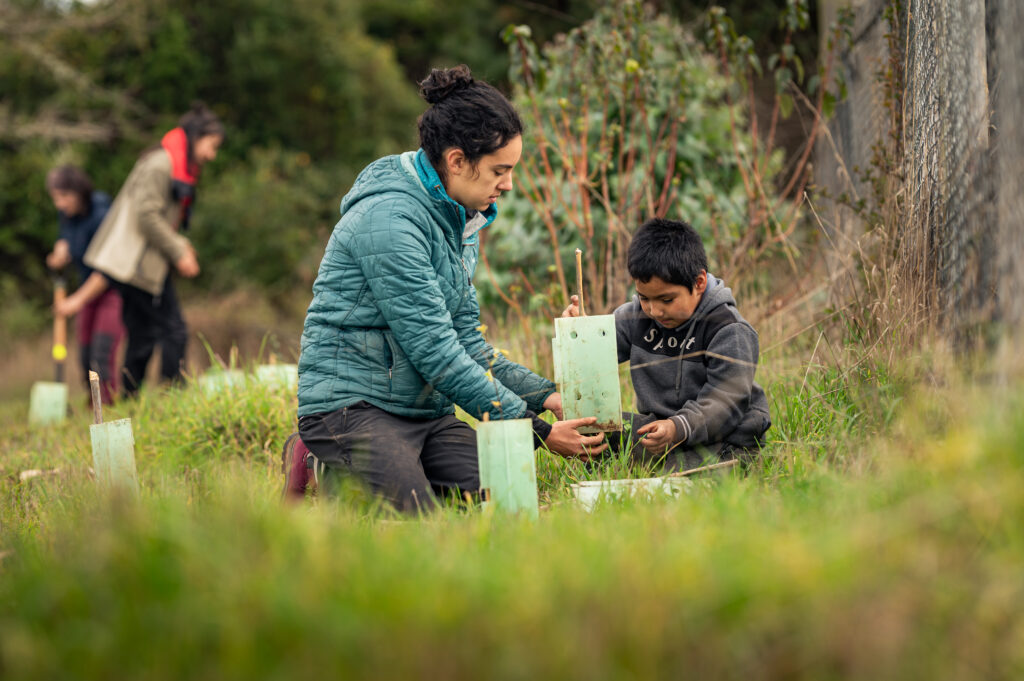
(150, 320)
(407, 461)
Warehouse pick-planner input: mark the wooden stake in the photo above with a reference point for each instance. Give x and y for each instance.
(97, 402)
(579, 278)
(702, 469)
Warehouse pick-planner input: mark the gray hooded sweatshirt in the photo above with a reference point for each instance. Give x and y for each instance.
(699, 374)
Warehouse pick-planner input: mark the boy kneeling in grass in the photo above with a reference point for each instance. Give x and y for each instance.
(692, 355)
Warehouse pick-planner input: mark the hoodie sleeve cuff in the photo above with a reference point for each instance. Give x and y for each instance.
(683, 429)
(541, 429)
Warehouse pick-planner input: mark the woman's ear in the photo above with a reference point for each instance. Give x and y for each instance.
(455, 161)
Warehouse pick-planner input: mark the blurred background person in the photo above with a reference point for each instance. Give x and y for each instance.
(141, 240)
(95, 305)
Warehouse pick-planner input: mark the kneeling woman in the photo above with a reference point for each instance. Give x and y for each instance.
(392, 338)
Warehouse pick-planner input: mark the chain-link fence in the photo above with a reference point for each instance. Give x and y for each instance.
(945, 78)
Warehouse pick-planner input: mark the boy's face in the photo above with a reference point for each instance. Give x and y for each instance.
(670, 304)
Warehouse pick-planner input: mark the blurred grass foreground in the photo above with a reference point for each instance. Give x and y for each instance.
(895, 560)
(878, 536)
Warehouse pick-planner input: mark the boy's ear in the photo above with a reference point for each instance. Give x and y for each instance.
(701, 283)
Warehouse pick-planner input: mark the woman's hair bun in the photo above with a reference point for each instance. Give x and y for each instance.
(441, 83)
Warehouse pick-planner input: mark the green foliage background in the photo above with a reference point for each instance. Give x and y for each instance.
(310, 91)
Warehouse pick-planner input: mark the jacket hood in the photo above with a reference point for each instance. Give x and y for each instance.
(715, 295)
(411, 175)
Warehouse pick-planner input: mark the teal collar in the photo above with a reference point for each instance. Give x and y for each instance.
(435, 188)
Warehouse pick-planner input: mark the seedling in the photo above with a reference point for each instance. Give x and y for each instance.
(113, 447)
(508, 473)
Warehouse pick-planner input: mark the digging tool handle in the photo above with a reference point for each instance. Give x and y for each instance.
(97, 402)
(579, 278)
(60, 331)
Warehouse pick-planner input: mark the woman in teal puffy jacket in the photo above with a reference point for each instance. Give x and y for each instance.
(392, 338)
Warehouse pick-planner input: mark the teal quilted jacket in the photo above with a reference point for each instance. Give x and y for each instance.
(395, 319)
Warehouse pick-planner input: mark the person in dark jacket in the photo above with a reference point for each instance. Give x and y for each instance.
(392, 340)
(94, 304)
(692, 356)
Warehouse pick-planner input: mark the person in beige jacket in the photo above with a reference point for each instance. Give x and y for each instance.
(141, 240)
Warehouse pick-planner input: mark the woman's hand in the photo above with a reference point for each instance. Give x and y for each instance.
(554, 404)
(658, 435)
(187, 265)
(564, 439)
(60, 256)
(574, 308)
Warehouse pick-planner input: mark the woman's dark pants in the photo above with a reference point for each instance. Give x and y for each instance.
(149, 320)
(407, 461)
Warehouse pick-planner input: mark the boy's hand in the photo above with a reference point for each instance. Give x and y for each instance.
(554, 404)
(69, 307)
(60, 256)
(658, 435)
(564, 439)
(574, 308)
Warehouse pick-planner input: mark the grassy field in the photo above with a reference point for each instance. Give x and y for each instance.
(878, 538)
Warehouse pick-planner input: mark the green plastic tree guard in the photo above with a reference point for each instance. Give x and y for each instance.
(587, 370)
(221, 381)
(508, 473)
(48, 403)
(284, 375)
(113, 455)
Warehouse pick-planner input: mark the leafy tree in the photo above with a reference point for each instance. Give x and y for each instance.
(626, 120)
(97, 84)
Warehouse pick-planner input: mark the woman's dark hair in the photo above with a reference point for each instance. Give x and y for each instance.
(667, 249)
(464, 113)
(199, 122)
(73, 179)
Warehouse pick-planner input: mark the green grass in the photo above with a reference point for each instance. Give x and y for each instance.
(838, 555)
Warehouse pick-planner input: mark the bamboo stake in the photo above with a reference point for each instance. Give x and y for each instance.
(579, 278)
(97, 402)
(703, 469)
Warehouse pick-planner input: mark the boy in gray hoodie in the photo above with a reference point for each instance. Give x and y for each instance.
(692, 355)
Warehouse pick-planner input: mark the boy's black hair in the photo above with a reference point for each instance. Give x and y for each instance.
(465, 113)
(668, 249)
